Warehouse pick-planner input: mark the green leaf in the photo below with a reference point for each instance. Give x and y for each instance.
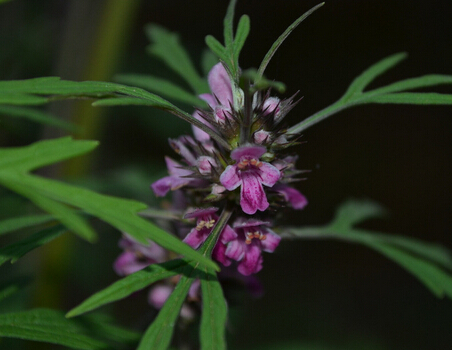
(214, 313)
(160, 86)
(243, 29)
(355, 211)
(355, 95)
(158, 335)
(37, 116)
(283, 37)
(130, 284)
(52, 195)
(438, 281)
(216, 47)
(360, 82)
(102, 326)
(160, 103)
(47, 326)
(16, 250)
(167, 47)
(17, 223)
(12, 286)
(430, 263)
(228, 24)
(415, 83)
(413, 98)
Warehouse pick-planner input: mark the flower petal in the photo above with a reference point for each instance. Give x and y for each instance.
(128, 263)
(252, 195)
(248, 151)
(269, 174)
(271, 241)
(220, 84)
(291, 195)
(195, 238)
(230, 179)
(235, 250)
(252, 262)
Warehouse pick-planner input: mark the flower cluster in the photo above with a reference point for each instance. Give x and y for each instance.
(252, 174)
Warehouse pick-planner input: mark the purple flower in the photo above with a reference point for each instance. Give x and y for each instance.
(250, 173)
(174, 181)
(220, 100)
(205, 221)
(253, 238)
(137, 256)
(296, 199)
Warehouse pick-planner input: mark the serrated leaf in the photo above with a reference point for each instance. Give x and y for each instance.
(167, 47)
(17, 223)
(158, 335)
(214, 313)
(283, 37)
(16, 250)
(130, 284)
(47, 326)
(160, 86)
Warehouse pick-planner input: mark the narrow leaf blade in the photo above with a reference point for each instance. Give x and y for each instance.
(283, 37)
(158, 335)
(129, 284)
(214, 314)
(16, 250)
(47, 326)
(366, 77)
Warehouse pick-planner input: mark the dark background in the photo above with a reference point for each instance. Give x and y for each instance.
(323, 292)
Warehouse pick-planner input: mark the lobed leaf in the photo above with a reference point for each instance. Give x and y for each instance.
(53, 195)
(430, 263)
(130, 284)
(355, 96)
(47, 326)
(359, 84)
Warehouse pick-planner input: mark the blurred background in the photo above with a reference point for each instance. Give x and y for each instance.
(321, 293)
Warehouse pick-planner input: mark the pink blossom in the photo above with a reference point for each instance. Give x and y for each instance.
(250, 173)
(253, 238)
(205, 222)
(137, 256)
(296, 199)
(177, 178)
(220, 100)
